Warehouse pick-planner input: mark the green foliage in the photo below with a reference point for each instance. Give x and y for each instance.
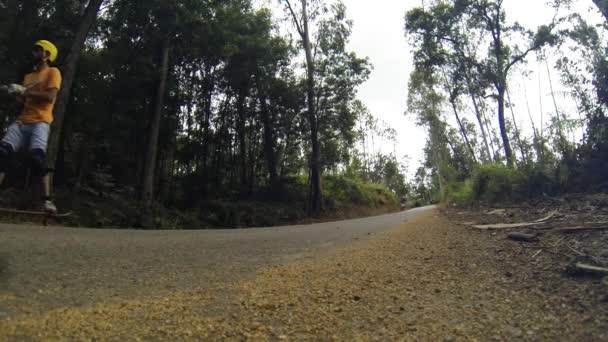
(496, 182)
(460, 192)
(470, 46)
(234, 135)
(343, 192)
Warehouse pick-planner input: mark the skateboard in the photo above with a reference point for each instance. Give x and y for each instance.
(46, 215)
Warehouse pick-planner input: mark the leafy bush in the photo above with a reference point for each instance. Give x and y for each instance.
(460, 192)
(341, 191)
(294, 188)
(495, 182)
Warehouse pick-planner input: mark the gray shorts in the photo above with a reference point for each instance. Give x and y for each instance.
(34, 135)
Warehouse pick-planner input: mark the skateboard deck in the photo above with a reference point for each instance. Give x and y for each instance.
(46, 215)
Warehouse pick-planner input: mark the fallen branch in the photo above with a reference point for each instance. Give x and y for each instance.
(515, 225)
(546, 218)
(504, 225)
(590, 269)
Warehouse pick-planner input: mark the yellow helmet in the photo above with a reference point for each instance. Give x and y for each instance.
(48, 47)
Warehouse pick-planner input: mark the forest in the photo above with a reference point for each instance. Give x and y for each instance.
(202, 113)
(206, 113)
(470, 60)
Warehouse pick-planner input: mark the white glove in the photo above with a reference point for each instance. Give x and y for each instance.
(16, 89)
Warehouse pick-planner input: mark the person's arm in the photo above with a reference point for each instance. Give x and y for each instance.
(44, 95)
(51, 88)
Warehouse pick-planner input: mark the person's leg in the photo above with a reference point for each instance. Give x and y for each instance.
(37, 159)
(11, 142)
(38, 144)
(6, 155)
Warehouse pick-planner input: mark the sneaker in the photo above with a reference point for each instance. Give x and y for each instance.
(49, 207)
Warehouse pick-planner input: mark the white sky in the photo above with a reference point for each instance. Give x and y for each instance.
(378, 33)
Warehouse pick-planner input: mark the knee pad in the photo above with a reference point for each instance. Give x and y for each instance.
(38, 162)
(6, 155)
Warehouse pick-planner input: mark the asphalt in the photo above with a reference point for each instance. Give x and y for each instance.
(45, 268)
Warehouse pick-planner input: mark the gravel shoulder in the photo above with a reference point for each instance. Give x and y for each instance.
(426, 279)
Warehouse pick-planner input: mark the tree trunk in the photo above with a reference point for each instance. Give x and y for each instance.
(503, 128)
(602, 5)
(463, 133)
(271, 163)
(68, 72)
(517, 134)
(147, 193)
(254, 152)
(167, 169)
(207, 98)
(363, 147)
(315, 166)
(479, 121)
(438, 159)
(241, 136)
(491, 135)
(500, 83)
(82, 7)
(457, 154)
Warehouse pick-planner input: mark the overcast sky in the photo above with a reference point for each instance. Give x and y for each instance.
(378, 33)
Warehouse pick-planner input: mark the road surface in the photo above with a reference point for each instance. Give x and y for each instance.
(373, 279)
(53, 267)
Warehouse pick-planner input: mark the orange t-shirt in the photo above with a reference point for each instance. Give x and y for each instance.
(40, 110)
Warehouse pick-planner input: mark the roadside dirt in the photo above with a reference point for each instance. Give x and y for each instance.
(429, 280)
(560, 231)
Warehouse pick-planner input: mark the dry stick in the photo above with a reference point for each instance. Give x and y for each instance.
(537, 253)
(516, 225)
(504, 225)
(591, 268)
(546, 218)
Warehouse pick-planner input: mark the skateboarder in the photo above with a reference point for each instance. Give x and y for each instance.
(31, 129)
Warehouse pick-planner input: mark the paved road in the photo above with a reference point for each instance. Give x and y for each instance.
(43, 268)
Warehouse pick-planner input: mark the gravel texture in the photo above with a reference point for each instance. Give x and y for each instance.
(427, 279)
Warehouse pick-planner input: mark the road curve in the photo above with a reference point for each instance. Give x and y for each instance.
(43, 268)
